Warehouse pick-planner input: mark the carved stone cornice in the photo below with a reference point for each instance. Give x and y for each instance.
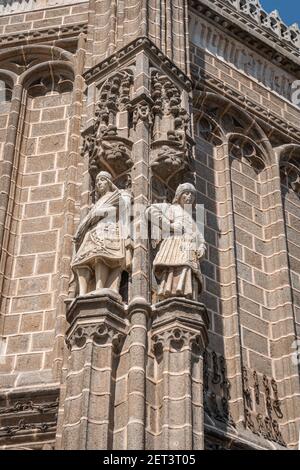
(243, 27)
(128, 53)
(217, 43)
(42, 35)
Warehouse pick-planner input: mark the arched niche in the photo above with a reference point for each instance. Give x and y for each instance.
(217, 119)
(289, 165)
(48, 77)
(21, 59)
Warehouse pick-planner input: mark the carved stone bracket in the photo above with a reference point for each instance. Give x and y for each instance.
(112, 153)
(176, 338)
(100, 333)
(179, 323)
(98, 318)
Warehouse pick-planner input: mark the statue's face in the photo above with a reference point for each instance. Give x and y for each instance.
(102, 185)
(187, 198)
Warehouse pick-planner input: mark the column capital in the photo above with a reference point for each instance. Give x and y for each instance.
(139, 304)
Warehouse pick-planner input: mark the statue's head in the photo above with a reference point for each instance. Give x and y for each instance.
(104, 183)
(185, 194)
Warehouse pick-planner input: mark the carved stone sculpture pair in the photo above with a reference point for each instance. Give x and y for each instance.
(103, 243)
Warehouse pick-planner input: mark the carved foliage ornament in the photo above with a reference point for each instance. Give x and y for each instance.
(171, 146)
(107, 146)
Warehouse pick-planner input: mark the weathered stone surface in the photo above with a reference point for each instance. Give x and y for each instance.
(119, 92)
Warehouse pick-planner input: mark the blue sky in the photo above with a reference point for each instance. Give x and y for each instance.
(289, 9)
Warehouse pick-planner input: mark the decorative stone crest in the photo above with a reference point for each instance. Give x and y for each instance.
(176, 338)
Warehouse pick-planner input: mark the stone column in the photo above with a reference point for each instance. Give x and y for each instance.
(97, 329)
(179, 337)
(138, 314)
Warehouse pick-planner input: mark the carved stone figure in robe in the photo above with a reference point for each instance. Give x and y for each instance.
(102, 248)
(177, 263)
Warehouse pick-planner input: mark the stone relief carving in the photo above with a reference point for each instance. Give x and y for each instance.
(100, 334)
(216, 388)
(106, 144)
(102, 248)
(181, 246)
(171, 146)
(176, 338)
(24, 418)
(259, 413)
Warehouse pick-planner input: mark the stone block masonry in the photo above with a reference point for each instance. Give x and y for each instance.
(157, 94)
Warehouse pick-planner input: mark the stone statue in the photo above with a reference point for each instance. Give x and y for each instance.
(102, 246)
(177, 263)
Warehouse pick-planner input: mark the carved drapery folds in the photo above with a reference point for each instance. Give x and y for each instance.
(107, 143)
